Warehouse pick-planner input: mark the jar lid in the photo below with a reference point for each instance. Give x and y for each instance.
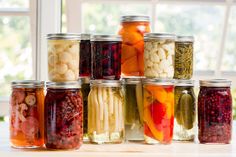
(64, 85)
(184, 39)
(135, 18)
(105, 38)
(184, 83)
(160, 36)
(85, 36)
(106, 83)
(158, 81)
(62, 36)
(28, 84)
(84, 80)
(215, 83)
(132, 80)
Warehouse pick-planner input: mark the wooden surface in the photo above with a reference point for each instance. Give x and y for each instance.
(176, 149)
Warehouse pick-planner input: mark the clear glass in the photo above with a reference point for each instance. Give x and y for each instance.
(14, 3)
(106, 115)
(185, 113)
(158, 117)
(27, 117)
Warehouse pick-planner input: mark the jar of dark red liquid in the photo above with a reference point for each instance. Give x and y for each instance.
(26, 114)
(215, 111)
(106, 57)
(85, 55)
(63, 115)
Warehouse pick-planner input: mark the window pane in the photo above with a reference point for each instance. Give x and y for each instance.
(105, 18)
(14, 3)
(15, 48)
(204, 22)
(229, 58)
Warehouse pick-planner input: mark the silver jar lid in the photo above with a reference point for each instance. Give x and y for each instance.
(156, 81)
(189, 83)
(64, 85)
(28, 84)
(215, 83)
(85, 36)
(106, 83)
(159, 36)
(84, 80)
(63, 36)
(132, 80)
(135, 18)
(184, 39)
(105, 38)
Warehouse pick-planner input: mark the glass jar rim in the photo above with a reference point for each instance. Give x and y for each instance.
(105, 38)
(158, 81)
(215, 83)
(64, 85)
(63, 36)
(135, 18)
(28, 84)
(132, 80)
(184, 38)
(159, 36)
(189, 83)
(105, 83)
(85, 36)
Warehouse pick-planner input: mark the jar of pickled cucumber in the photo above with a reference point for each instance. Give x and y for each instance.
(132, 31)
(27, 114)
(63, 57)
(185, 111)
(159, 54)
(133, 109)
(63, 115)
(184, 57)
(106, 112)
(158, 116)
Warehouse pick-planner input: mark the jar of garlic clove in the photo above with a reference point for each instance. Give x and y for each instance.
(159, 51)
(63, 57)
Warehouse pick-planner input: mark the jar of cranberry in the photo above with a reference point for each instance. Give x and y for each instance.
(106, 57)
(85, 55)
(215, 111)
(63, 115)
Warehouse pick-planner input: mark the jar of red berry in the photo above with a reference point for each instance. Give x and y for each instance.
(106, 57)
(26, 114)
(63, 115)
(214, 111)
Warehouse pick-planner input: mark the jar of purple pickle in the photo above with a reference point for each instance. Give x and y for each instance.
(106, 57)
(215, 111)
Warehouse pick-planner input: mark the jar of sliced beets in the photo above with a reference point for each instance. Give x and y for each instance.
(63, 115)
(106, 57)
(215, 111)
(26, 114)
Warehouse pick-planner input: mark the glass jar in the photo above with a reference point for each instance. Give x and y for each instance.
(63, 57)
(158, 116)
(184, 57)
(185, 111)
(106, 112)
(159, 53)
(26, 114)
(215, 111)
(63, 115)
(85, 56)
(132, 31)
(133, 109)
(106, 57)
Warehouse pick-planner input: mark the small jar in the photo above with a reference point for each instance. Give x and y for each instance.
(85, 56)
(159, 53)
(133, 109)
(185, 111)
(63, 57)
(26, 114)
(215, 111)
(158, 116)
(63, 115)
(184, 57)
(132, 31)
(106, 112)
(106, 57)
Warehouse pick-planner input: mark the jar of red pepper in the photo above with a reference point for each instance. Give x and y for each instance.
(63, 115)
(106, 57)
(215, 111)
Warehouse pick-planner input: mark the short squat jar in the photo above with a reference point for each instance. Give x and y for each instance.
(63, 115)
(215, 111)
(106, 57)
(159, 51)
(63, 57)
(185, 111)
(26, 114)
(106, 112)
(133, 109)
(184, 57)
